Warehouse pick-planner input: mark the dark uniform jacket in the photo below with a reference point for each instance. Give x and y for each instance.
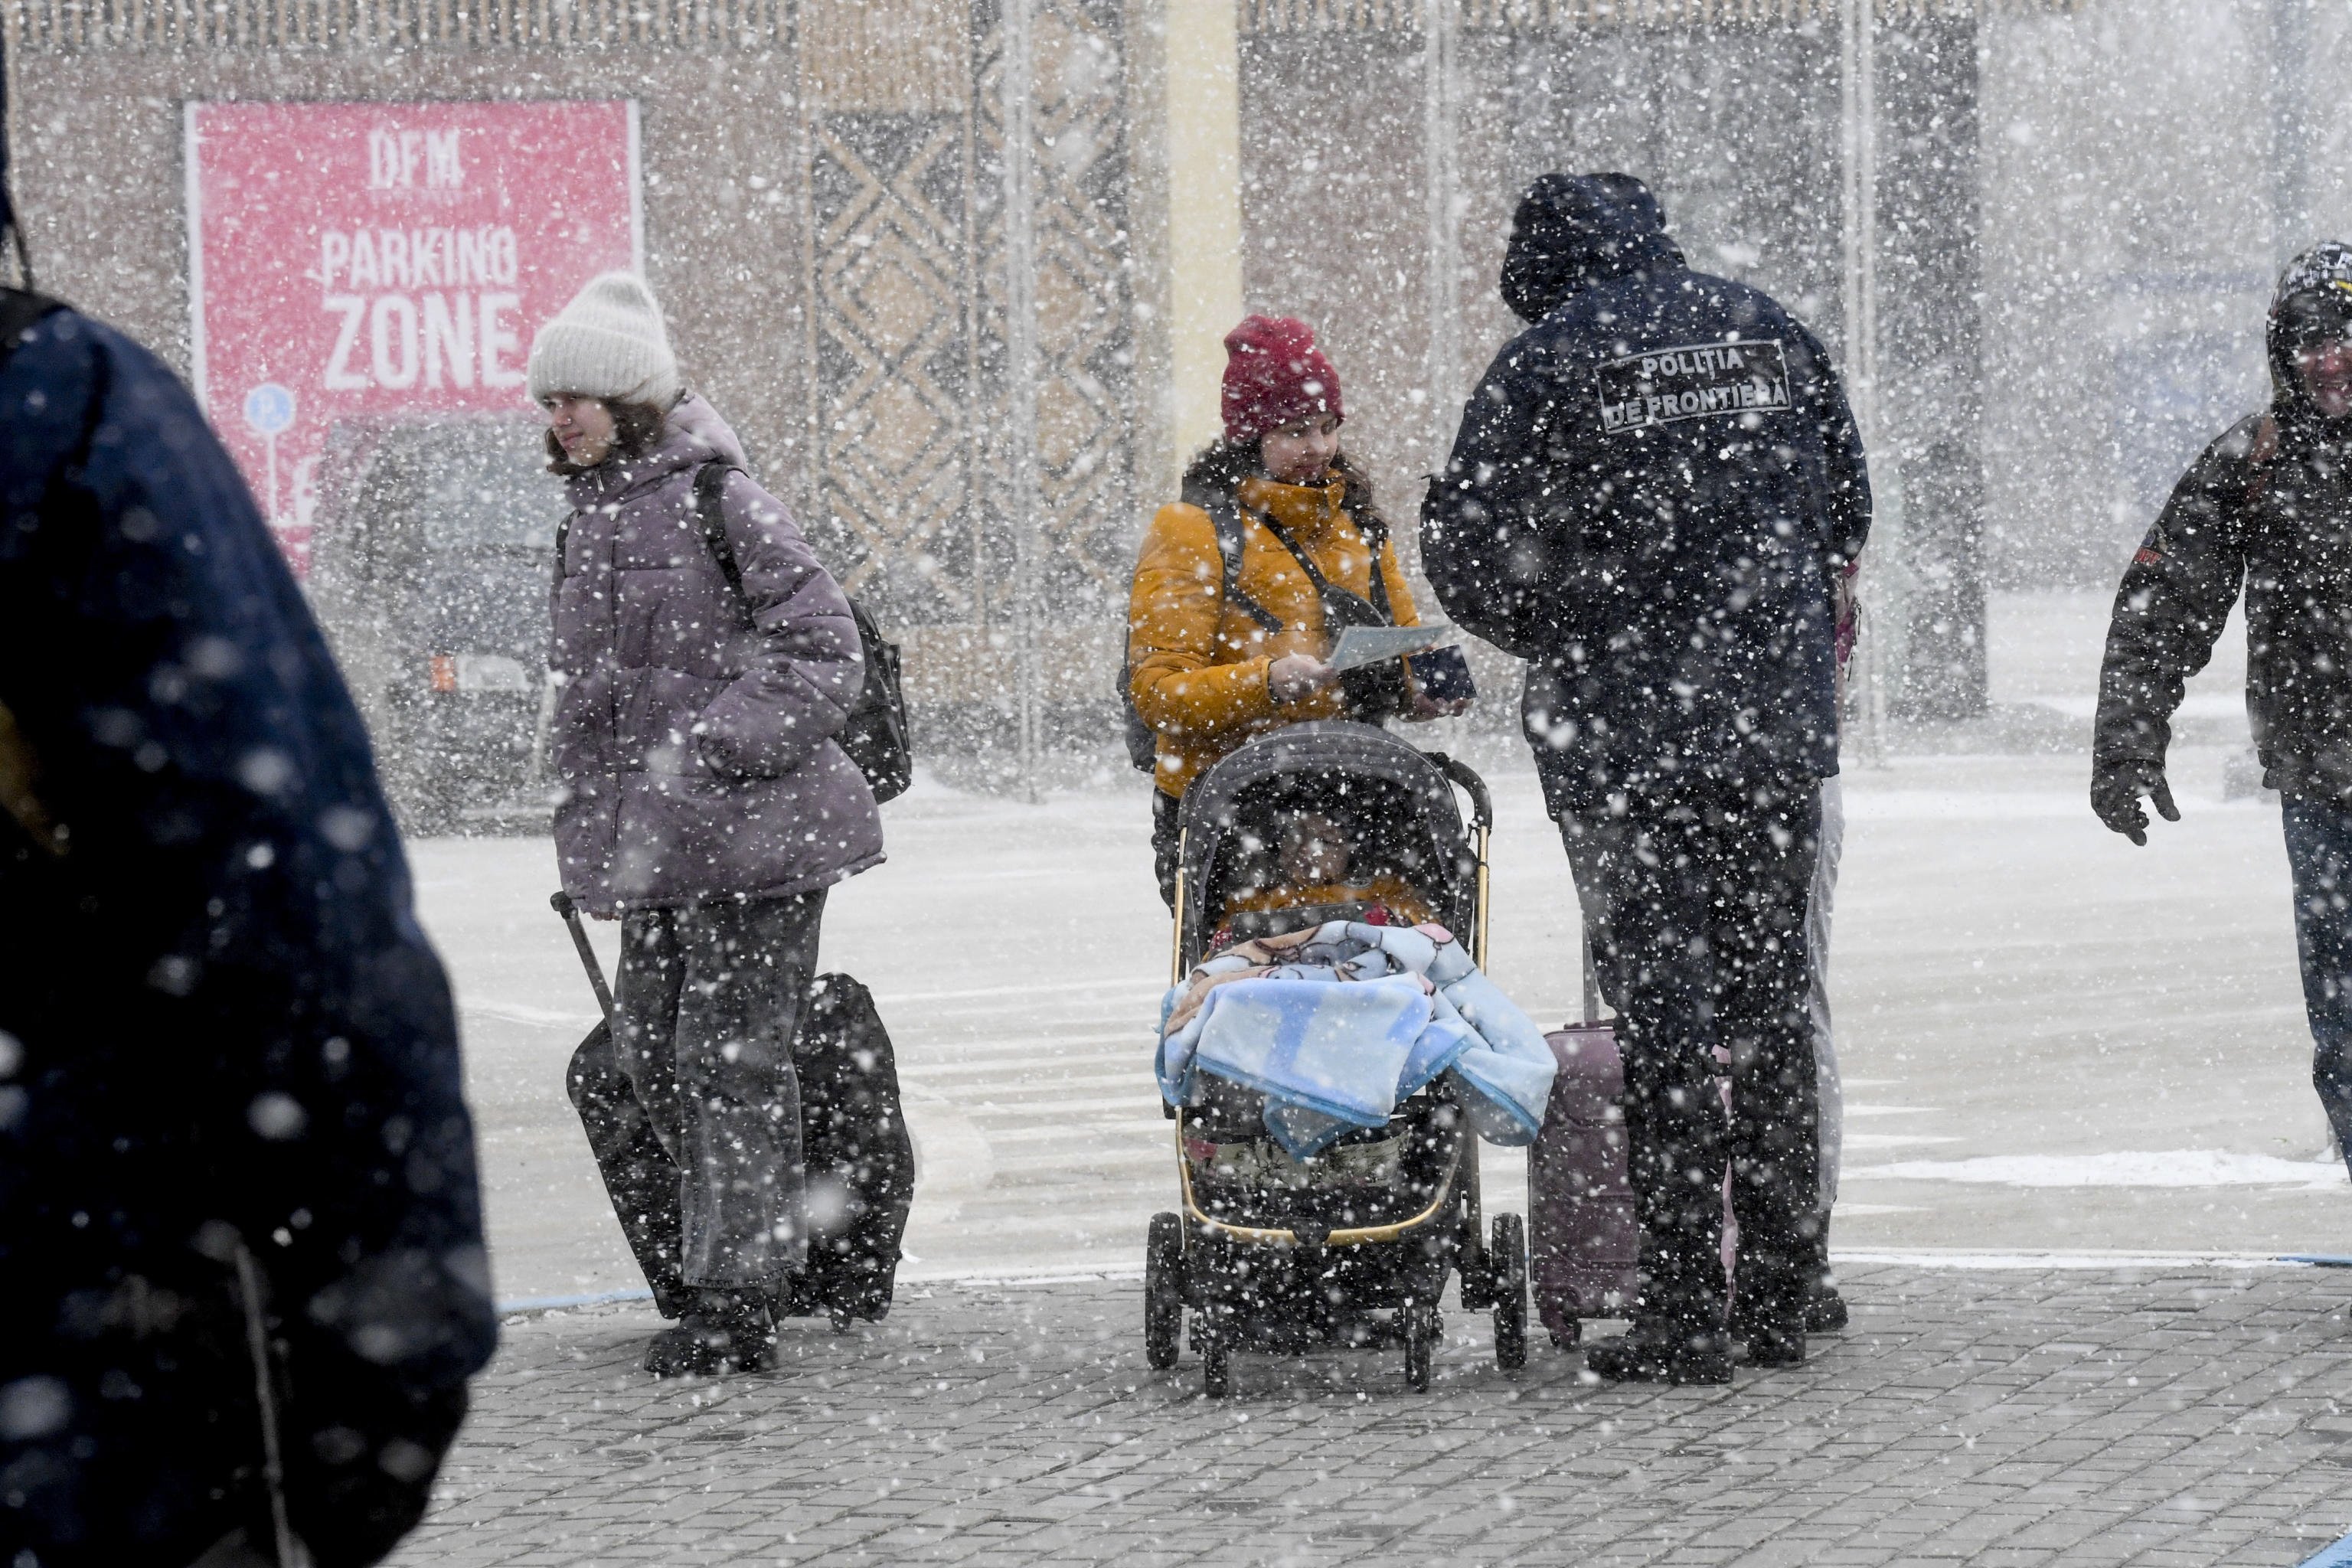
(1650, 492)
(2268, 505)
(220, 1025)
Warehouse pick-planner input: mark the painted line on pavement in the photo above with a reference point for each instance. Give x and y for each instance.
(1052, 1274)
(1959, 1257)
(534, 1017)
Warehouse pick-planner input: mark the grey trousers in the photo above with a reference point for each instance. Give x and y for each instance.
(709, 1000)
(1831, 1095)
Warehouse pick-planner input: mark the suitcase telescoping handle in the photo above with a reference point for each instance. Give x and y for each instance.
(563, 905)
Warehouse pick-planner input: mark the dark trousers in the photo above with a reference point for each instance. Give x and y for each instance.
(1696, 904)
(2319, 856)
(690, 1101)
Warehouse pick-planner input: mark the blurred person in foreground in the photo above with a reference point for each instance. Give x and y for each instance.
(706, 661)
(240, 1235)
(1653, 492)
(2268, 507)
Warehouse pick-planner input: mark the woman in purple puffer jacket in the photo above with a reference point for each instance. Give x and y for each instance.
(705, 803)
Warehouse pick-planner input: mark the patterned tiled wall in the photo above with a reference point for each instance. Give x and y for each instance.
(912, 477)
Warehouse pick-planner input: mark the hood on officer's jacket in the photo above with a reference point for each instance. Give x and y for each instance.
(1575, 230)
(2313, 299)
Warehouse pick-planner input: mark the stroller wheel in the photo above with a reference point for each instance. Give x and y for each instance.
(1163, 1291)
(1420, 1346)
(1569, 1333)
(1216, 1368)
(1509, 1258)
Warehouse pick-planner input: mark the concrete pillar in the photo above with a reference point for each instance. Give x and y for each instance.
(1931, 316)
(1204, 210)
(2292, 131)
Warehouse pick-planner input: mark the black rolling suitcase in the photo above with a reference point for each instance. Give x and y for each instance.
(860, 1162)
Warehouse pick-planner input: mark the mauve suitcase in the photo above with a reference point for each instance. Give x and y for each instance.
(1583, 1240)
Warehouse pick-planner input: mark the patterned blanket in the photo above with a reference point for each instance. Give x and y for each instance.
(1338, 1024)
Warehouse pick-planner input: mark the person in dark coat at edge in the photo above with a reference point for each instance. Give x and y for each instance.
(1652, 490)
(2267, 506)
(239, 1223)
(706, 804)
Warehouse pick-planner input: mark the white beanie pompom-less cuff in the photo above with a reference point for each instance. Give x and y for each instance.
(608, 343)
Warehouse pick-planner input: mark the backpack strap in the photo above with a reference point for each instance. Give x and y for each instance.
(709, 502)
(1225, 517)
(1327, 591)
(2261, 450)
(1374, 528)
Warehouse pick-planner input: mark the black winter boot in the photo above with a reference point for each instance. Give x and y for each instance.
(1767, 1314)
(1781, 1344)
(1768, 1339)
(1664, 1350)
(1825, 1310)
(725, 1330)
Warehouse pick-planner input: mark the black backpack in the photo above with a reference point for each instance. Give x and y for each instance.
(875, 734)
(1225, 516)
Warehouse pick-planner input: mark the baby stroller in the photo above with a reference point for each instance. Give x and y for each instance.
(1350, 1247)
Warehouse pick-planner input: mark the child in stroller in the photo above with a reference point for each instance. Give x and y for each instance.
(1316, 1213)
(1303, 867)
(1319, 865)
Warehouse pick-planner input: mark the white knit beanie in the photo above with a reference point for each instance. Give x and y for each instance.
(608, 342)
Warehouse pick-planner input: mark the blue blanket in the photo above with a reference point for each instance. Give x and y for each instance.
(1337, 1025)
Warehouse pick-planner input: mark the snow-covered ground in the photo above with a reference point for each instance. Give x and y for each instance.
(2052, 1040)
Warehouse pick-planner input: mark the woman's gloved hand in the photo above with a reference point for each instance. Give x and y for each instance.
(2117, 784)
(1425, 708)
(1296, 675)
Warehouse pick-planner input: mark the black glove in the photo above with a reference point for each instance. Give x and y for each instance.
(2117, 784)
(1375, 692)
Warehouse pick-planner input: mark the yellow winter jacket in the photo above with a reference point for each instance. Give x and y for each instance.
(1197, 666)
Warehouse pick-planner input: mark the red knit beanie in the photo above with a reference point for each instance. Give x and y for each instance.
(1275, 374)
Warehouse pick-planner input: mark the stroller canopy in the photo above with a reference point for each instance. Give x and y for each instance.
(1405, 795)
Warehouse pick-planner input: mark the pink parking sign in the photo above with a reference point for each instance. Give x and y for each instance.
(355, 262)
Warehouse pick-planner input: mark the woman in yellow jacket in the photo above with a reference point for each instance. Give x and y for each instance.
(1208, 667)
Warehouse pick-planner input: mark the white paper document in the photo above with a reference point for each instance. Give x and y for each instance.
(1360, 646)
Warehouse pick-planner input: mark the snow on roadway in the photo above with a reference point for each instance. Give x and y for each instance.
(2013, 984)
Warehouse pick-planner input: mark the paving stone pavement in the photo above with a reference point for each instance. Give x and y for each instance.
(2189, 1416)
